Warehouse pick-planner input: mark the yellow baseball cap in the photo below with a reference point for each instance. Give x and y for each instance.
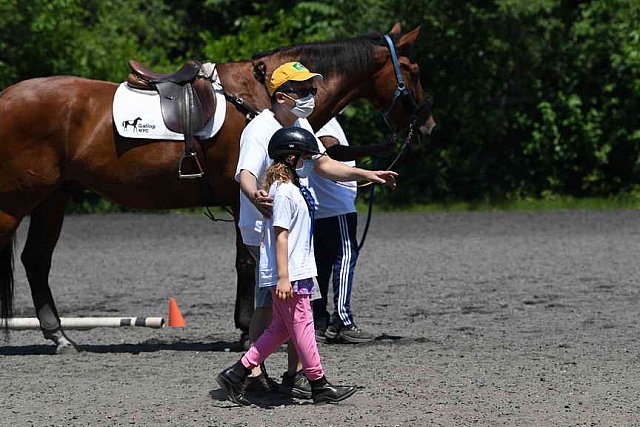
(290, 71)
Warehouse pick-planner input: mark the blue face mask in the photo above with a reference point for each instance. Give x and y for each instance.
(305, 170)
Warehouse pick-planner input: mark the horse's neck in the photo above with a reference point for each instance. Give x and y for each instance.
(338, 91)
(237, 78)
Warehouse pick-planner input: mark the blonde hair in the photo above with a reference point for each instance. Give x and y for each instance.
(277, 172)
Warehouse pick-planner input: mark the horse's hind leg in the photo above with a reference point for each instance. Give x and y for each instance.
(44, 230)
(8, 226)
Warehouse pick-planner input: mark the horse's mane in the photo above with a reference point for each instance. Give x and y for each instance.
(353, 55)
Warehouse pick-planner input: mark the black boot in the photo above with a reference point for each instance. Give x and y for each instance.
(231, 380)
(323, 392)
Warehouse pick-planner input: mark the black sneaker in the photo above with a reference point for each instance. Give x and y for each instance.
(353, 334)
(296, 385)
(332, 332)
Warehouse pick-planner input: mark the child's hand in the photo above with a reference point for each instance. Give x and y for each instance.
(284, 289)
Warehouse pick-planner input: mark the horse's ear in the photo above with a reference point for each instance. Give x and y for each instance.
(395, 29)
(260, 71)
(407, 40)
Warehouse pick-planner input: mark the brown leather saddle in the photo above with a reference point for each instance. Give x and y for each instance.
(187, 102)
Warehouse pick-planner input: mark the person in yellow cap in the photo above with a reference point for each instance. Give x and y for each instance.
(292, 88)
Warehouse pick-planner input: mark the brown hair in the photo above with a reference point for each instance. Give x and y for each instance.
(277, 172)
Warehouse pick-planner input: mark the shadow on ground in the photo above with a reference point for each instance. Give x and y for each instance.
(262, 400)
(222, 346)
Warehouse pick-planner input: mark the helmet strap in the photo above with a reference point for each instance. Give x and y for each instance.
(296, 178)
(291, 166)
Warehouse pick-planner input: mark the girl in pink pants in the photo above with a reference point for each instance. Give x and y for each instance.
(287, 266)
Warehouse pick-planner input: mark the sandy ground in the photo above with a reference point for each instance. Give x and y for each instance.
(483, 319)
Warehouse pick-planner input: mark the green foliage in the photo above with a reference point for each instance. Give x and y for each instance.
(532, 98)
(268, 28)
(93, 39)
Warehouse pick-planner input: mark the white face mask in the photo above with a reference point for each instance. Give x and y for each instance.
(306, 169)
(304, 106)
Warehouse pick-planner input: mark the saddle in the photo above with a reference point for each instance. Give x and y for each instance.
(187, 102)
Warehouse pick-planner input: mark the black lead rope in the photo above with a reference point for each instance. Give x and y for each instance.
(373, 187)
(372, 191)
(401, 93)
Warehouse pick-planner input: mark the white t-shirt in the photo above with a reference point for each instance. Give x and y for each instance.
(290, 211)
(254, 157)
(333, 199)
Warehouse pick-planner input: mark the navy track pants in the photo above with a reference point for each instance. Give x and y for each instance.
(336, 252)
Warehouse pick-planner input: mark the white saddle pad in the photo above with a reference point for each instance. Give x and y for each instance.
(136, 114)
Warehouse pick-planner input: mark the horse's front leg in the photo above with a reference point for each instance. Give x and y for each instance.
(44, 230)
(245, 269)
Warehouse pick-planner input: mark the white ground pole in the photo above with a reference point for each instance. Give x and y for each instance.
(82, 323)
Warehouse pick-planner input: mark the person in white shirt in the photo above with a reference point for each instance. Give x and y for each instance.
(287, 269)
(336, 247)
(292, 92)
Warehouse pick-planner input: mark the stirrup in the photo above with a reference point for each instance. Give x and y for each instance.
(199, 174)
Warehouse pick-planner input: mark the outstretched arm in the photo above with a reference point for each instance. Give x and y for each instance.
(334, 170)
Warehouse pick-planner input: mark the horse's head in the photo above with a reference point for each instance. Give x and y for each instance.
(360, 67)
(397, 90)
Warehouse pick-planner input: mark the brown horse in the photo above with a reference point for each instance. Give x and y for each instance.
(57, 132)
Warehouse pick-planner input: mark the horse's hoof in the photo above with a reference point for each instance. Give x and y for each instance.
(66, 349)
(63, 344)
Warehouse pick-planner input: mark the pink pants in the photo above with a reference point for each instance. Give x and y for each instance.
(293, 319)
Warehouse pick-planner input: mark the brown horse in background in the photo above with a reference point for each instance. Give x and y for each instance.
(58, 132)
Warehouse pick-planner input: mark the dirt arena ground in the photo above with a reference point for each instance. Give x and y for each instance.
(483, 319)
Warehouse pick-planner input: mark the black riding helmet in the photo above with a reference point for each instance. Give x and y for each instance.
(292, 140)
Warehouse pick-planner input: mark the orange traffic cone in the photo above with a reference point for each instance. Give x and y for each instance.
(175, 317)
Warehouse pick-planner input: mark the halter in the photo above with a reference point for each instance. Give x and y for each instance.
(401, 93)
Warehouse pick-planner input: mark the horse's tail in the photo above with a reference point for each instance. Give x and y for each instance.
(6, 280)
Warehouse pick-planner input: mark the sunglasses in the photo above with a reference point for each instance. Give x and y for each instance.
(303, 92)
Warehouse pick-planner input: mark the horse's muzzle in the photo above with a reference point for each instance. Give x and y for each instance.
(426, 129)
